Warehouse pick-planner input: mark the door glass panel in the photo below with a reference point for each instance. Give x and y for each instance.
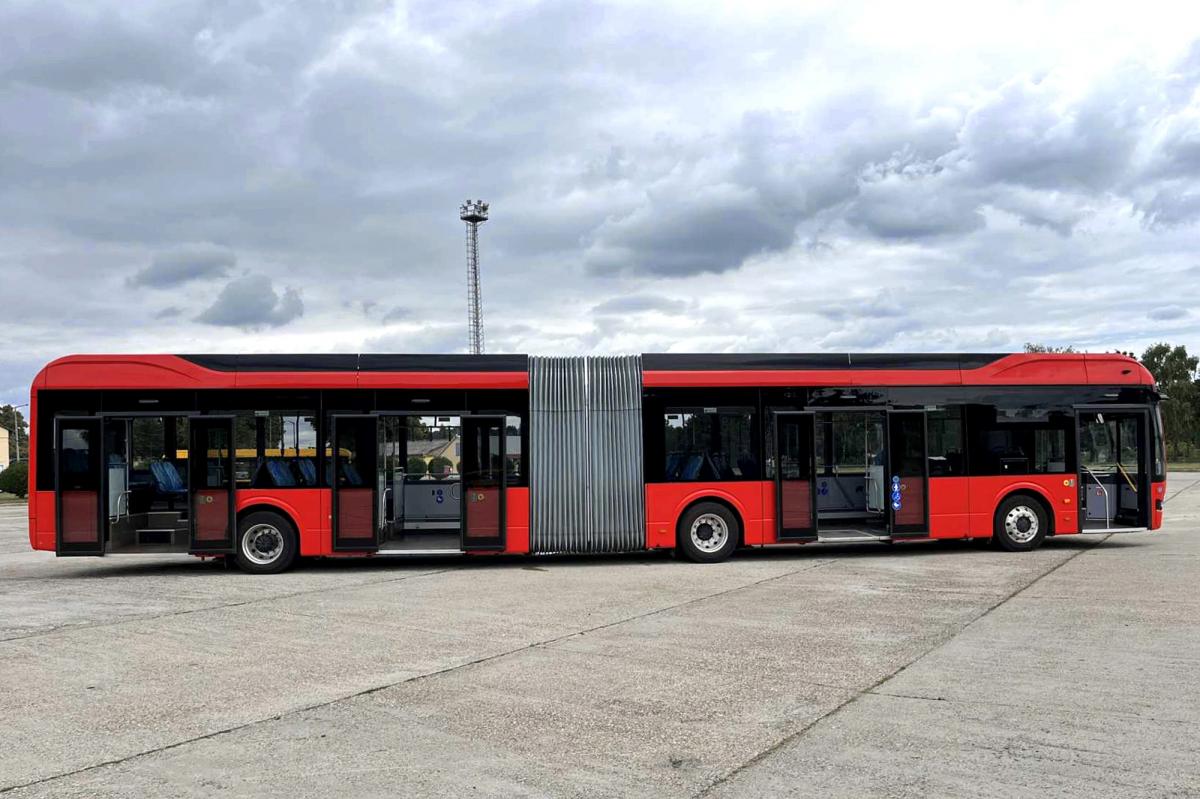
(391, 473)
(79, 476)
(906, 485)
(795, 477)
(212, 477)
(483, 465)
(354, 474)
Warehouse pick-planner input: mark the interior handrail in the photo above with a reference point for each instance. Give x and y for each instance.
(1107, 521)
(1125, 474)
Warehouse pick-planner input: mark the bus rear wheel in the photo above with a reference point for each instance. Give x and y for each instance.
(266, 543)
(1020, 524)
(708, 533)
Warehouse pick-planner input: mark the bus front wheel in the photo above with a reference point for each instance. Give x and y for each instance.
(708, 533)
(1020, 524)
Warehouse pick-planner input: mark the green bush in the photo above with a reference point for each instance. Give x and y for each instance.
(15, 479)
(416, 466)
(440, 466)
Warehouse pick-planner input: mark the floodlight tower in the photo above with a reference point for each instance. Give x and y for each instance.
(474, 213)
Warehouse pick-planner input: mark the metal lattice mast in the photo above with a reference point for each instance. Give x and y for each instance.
(474, 213)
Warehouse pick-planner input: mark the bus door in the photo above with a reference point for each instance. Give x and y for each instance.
(391, 473)
(211, 484)
(352, 474)
(907, 475)
(484, 471)
(795, 475)
(78, 486)
(1114, 467)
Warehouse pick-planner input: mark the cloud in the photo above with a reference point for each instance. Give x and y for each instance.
(251, 302)
(640, 303)
(183, 264)
(1168, 312)
(660, 177)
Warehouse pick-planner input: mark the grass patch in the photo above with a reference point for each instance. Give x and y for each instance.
(1182, 467)
(13, 498)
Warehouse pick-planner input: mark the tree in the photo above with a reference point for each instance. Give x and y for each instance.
(18, 432)
(1175, 372)
(1034, 347)
(15, 479)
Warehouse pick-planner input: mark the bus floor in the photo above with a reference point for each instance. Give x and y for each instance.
(423, 541)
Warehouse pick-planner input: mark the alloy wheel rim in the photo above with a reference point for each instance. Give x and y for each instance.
(709, 532)
(262, 544)
(1021, 524)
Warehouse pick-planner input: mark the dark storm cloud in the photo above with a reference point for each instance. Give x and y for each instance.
(184, 264)
(251, 302)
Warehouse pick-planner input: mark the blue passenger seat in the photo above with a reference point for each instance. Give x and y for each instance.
(281, 476)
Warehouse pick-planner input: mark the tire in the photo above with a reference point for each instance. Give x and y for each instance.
(708, 533)
(266, 543)
(1021, 523)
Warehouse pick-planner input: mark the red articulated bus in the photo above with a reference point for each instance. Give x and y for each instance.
(265, 458)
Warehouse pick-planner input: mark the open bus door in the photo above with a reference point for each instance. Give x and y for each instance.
(78, 486)
(354, 481)
(907, 475)
(795, 476)
(1115, 467)
(484, 480)
(211, 485)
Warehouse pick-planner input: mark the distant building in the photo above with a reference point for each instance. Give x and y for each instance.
(4, 458)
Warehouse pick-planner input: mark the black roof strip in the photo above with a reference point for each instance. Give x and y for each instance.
(351, 362)
(683, 362)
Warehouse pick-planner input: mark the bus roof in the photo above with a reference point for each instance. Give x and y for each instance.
(458, 371)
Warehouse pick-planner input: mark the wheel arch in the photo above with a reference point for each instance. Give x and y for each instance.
(716, 497)
(1026, 489)
(263, 504)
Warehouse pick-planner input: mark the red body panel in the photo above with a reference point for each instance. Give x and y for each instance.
(949, 507)
(41, 520)
(1058, 490)
(516, 509)
(308, 508)
(1158, 493)
(665, 501)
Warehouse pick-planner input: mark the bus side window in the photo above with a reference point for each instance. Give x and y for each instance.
(946, 443)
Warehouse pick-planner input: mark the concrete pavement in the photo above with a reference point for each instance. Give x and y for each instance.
(920, 669)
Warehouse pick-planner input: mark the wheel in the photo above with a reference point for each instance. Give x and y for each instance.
(266, 543)
(1020, 524)
(708, 533)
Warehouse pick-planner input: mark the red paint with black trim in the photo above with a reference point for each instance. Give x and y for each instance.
(958, 506)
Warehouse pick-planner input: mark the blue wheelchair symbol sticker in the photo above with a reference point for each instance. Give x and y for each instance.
(823, 488)
(895, 496)
(439, 497)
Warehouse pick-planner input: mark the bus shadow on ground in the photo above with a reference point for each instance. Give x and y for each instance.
(185, 566)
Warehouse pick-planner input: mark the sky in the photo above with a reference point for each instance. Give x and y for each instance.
(755, 177)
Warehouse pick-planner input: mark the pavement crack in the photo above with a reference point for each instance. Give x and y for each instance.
(855, 696)
(415, 678)
(220, 606)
